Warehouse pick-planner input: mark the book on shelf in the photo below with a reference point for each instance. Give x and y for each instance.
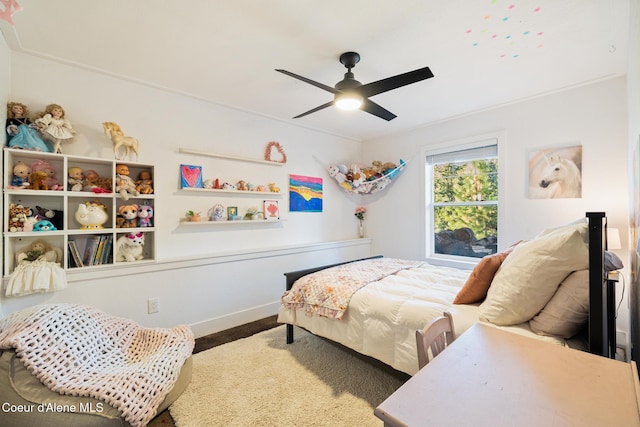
(106, 252)
(74, 255)
(90, 248)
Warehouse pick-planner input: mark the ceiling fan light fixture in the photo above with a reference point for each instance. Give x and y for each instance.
(348, 101)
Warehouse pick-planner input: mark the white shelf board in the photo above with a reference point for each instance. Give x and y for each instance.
(238, 222)
(215, 190)
(228, 157)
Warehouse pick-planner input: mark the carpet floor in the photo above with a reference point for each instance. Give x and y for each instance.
(262, 381)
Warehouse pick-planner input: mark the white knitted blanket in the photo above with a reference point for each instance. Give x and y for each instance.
(81, 351)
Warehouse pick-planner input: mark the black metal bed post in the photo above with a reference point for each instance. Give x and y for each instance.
(598, 321)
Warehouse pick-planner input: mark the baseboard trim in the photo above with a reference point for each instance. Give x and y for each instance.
(222, 323)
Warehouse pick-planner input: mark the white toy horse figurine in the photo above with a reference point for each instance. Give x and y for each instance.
(562, 178)
(118, 138)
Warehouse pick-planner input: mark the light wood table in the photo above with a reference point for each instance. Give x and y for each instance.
(490, 377)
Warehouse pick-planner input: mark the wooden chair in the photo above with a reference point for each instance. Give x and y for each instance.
(437, 335)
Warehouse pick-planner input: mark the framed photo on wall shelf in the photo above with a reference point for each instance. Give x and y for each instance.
(232, 213)
(271, 210)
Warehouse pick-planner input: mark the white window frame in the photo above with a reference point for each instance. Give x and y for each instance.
(496, 138)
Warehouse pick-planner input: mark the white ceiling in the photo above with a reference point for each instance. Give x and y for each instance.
(483, 53)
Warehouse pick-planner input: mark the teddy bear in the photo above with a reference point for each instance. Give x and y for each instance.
(129, 247)
(39, 250)
(51, 181)
(21, 172)
(145, 213)
(144, 184)
(37, 180)
(18, 214)
(130, 215)
(125, 185)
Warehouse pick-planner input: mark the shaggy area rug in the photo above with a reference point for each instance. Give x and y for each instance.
(262, 381)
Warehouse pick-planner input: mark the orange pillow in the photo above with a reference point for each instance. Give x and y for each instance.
(476, 287)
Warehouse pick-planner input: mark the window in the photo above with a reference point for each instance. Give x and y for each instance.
(462, 195)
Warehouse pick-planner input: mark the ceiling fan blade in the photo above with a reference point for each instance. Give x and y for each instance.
(323, 106)
(373, 108)
(394, 82)
(311, 82)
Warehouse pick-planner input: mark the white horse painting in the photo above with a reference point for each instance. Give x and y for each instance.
(555, 177)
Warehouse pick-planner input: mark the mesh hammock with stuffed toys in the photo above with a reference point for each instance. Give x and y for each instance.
(353, 179)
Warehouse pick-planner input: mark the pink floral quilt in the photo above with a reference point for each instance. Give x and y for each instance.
(327, 292)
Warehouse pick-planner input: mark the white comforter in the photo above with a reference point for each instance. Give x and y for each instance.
(383, 316)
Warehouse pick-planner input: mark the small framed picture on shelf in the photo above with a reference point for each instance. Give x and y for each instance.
(271, 210)
(191, 176)
(232, 213)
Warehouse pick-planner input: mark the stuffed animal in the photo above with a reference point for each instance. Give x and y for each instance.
(144, 184)
(39, 250)
(273, 187)
(21, 172)
(18, 214)
(37, 180)
(145, 213)
(51, 181)
(129, 247)
(130, 215)
(125, 185)
(337, 174)
(55, 216)
(44, 225)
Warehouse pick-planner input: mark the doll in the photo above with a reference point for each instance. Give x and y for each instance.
(144, 184)
(54, 127)
(39, 250)
(21, 132)
(75, 178)
(125, 185)
(96, 183)
(51, 181)
(21, 173)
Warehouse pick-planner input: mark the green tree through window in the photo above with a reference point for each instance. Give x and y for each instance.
(465, 207)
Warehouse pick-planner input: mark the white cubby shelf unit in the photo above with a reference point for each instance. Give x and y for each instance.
(66, 202)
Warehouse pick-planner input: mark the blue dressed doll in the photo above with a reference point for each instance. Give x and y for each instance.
(21, 133)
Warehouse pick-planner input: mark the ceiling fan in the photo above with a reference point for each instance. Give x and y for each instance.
(350, 94)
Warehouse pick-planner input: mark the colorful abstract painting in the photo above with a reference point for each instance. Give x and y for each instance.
(305, 194)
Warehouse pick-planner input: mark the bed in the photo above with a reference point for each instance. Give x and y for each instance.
(552, 288)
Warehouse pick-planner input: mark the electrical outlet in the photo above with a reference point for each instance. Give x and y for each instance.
(153, 305)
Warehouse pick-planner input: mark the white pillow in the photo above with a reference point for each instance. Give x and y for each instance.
(531, 274)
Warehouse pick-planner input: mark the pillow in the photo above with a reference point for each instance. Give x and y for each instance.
(612, 262)
(530, 275)
(476, 287)
(568, 310)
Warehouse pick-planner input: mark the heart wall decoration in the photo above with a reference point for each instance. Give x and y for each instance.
(191, 176)
(275, 149)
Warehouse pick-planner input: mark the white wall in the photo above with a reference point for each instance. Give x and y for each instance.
(239, 269)
(594, 116)
(633, 145)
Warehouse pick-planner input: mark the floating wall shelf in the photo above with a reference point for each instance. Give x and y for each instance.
(228, 157)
